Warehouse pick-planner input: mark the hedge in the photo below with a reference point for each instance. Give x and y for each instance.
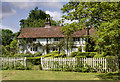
(87, 54)
(80, 56)
(47, 55)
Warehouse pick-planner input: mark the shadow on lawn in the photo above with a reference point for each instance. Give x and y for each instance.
(109, 76)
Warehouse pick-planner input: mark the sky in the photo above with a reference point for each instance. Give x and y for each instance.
(13, 12)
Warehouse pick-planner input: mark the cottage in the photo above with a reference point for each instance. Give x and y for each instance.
(50, 34)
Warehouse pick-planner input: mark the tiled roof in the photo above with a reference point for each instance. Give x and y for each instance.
(48, 32)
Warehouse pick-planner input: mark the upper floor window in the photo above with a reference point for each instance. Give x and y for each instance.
(76, 39)
(56, 39)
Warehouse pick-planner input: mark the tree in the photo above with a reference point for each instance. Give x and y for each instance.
(14, 47)
(59, 45)
(36, 18)
(103, 16)
(6, 36)
(68, 30)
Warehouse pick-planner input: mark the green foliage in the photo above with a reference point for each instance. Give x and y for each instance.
(99, 55)
(73, 54)
(79, 67)
(63, 54)
(80, 56)
(6, 36)
(24, 55)
(38, 54)
(29, 65)
(47, 55)
(14, 47)
(18, 66)
(86, 54)
(112, 63)
(80, 49)
(36, 18)
(103, 16)
(4, 51)
(54, 52)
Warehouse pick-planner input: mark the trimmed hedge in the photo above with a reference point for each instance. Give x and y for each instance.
(54, 54)
(86, 54)
(47, 55)
(80, 56)
(99, 55)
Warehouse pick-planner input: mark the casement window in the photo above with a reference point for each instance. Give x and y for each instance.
(34, 49)
(56, 39)
(54, 49)
(76, 39)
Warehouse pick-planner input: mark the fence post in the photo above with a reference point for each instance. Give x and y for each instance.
(41, 63)
(25, 61)
(105, 64)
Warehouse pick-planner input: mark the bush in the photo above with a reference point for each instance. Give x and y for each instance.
(113, 63)
(80, 56)
(73, 54)
(24, 55)
(60, 55)
(47, 55)
(63, 54)
(86, 54)
(99, 55)
(34, 60)
(17, 66)
(29, 65)
(38, 54)
(54, 53)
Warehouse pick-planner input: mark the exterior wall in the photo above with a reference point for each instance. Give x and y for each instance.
(43, 41)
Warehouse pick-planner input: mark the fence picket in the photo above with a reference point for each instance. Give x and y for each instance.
(92, 62)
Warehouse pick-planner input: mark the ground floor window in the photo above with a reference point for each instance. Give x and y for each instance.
(54, 49)
(76, 39)
(34, 48)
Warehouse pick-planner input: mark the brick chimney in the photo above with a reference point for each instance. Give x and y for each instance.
(48, 23)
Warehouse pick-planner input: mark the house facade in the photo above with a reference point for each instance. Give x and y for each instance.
(49, 35)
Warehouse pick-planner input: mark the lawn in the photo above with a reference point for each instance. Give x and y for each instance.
(49, 75)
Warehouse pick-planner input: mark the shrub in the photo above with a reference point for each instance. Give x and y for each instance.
(63, 54)
(80, 56)
(54, 52)
(29, 65)
(18, 66)
(38, 54)
(99, 55)
(73, 54)
(86, 54)
(80, 49)
(34, 60)
(47, 55)
(112, 62)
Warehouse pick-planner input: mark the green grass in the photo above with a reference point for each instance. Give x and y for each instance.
(49, 75)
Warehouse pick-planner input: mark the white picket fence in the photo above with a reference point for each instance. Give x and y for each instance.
(13, 60)
(48, 63)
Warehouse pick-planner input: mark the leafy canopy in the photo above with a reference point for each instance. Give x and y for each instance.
(36, 18)
(103, 16)
(6, 36)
